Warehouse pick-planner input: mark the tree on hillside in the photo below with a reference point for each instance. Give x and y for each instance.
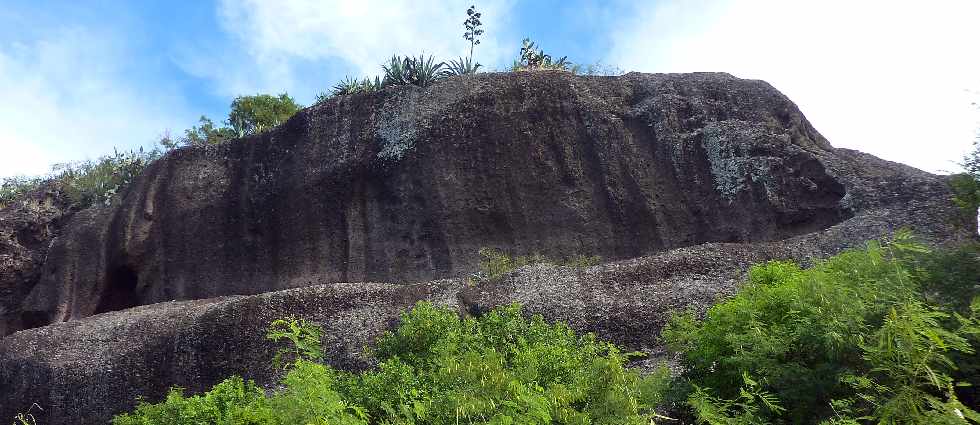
(249, 115)
(253, 114)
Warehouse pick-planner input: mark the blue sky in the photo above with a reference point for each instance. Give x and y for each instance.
(77, 79)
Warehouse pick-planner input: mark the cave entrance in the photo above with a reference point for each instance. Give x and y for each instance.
(120, 293)
(34, 319)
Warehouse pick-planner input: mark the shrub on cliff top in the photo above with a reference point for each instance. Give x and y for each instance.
(85, 183)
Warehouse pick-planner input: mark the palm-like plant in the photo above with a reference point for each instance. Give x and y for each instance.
(347, 86)
(424, 71)
(421, 71)
(461, 66)
(350, 85)
(396, 71)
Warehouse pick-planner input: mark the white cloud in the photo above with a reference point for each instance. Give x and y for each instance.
(278, 37)
(66, 98)
(892, 78)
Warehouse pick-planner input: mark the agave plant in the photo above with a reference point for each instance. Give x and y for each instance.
(462, 66)
(350, 85)
(347, 86)
(423, 71)
(396, 71)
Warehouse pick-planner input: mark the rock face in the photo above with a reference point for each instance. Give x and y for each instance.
(408, 184)
(698, 175)
(27, 227)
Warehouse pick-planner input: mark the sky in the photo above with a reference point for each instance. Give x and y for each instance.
(898, 79)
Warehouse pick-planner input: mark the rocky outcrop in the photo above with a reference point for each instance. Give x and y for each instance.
(27, 227)
(408, 184)
(84, 371)
(697, 176)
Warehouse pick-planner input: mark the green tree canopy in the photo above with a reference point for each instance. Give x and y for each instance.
(253, 114)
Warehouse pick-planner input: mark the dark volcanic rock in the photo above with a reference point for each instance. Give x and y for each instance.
(407, 185)
(84, 371)
(699, 175)
(27, 227)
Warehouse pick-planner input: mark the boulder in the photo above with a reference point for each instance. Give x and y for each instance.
(680, 181)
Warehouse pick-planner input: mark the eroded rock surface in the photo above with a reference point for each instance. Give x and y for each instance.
(694, 176)
(27, 227)
(408, 184)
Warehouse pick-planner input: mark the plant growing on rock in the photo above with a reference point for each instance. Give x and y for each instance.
(461, 66)
(495, 263)
(14, 187)
(304, 337)
(464, 66)
(254, 114)
(421, 71)
(350, 85)
(532, 58)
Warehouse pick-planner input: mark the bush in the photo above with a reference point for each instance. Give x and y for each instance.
(852, 337)
(85, 183)
(532, 58)
(438, 368)
(15, 187)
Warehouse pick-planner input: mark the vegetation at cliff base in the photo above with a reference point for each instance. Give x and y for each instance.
(887, 334)
(436, 368)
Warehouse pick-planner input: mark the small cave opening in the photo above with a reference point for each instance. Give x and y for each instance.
(34, 319)
(120, 292)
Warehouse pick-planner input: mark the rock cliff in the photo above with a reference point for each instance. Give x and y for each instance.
(686, 179)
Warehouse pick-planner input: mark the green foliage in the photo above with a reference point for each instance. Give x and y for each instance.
(230, 402)
(744, 409)
(304, 336)
(248, 115)
(971, 162)
(502, 368)
(254, 114)
(96, 182)
(15, 187)
(966, 193)
(350, 85)
(395, 71)
(85, 183)
(461, 66)
(532, 58)
(850, 340)
(496, 263)
(421, 71)
(966, 186)
(438, 368)
(205, 133)
(908, 355)
(949, 277)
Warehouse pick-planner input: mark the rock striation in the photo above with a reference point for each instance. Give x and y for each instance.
(684, 180)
